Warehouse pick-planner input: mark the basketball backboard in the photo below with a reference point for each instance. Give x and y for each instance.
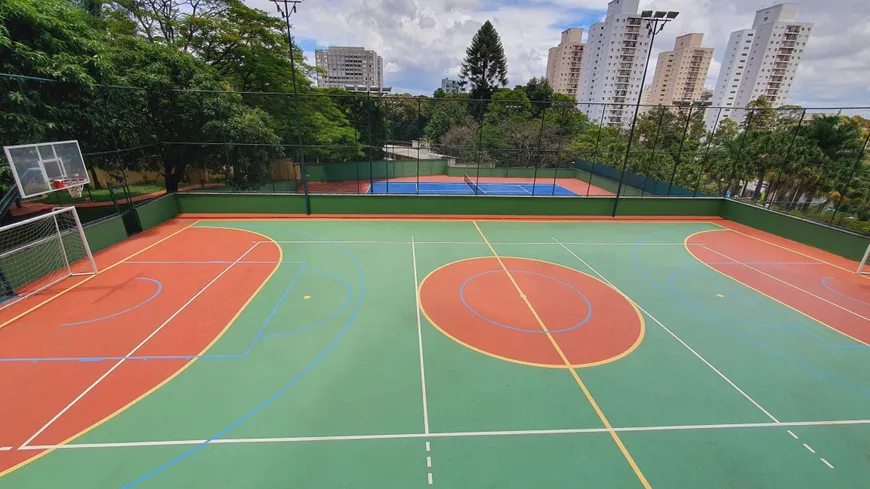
(37, 166)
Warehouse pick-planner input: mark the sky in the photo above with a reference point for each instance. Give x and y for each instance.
(424, 41)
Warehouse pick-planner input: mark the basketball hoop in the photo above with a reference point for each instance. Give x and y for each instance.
(74, 186)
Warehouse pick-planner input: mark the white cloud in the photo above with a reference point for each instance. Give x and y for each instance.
(421, 42)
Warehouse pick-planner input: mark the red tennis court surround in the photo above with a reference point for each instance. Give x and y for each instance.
(476, 303)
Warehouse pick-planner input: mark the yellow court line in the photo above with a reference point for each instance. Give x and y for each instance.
(586, 392)
(614, 358)
(180, 370)
(689, 250)
(113, 265)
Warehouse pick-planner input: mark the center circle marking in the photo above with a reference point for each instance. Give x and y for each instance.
(523, 330)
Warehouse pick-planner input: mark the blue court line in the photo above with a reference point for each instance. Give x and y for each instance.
(202, 357)
(146, 301)
(318, 323)
(283, 389)
(825, 285)
(274, 310)
(741, 334)
(540, 331)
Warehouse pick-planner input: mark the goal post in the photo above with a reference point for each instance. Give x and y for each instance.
(862, 267)
(41, 251)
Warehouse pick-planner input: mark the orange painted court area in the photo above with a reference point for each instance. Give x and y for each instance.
(822, 286)
(91, 334)
(475, 302)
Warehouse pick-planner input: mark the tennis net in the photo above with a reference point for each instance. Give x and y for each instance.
(473, 186)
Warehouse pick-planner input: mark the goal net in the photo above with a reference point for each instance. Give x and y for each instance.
(39, 252)
(862, 267)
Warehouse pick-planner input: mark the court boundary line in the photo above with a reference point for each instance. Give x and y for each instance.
(802, 313)
(692, 350)
(174, 374)
(476, 243)
(420, 339)
(789, 249)
(592, 402)
(136, 348)
(787, 283)
(62, 292)
(455, 434)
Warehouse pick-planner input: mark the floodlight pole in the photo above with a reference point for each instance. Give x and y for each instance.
(653, 28)
(289, 8)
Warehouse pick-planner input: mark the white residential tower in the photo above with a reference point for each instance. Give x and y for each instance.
(759, 61)
(564, 63)
(347, 67)
(680, 74)
(613, 63)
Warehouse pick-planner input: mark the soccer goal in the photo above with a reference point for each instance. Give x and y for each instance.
(41, 251)
(862, 267)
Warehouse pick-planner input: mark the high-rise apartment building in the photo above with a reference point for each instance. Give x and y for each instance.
(349, 66)
(565, 61)
(760, 61)
(680, 74)
(613, 64)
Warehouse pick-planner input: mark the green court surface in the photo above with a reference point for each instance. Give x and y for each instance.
(347, 384)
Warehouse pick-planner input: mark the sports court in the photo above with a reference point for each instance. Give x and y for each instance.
(469, 187)
(469, 353)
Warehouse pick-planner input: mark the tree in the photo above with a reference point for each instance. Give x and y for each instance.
(485, 65)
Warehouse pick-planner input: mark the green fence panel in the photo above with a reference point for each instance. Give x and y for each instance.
(673, 206)
(458, 205)
(157, 211)
(229, 203)
(838, 241)
(105, 233)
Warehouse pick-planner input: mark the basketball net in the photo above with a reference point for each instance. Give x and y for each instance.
(75, 187)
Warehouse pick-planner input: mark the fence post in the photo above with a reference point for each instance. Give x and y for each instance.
(479, 146)
(538, 159)
(357, 135)
(680, 151)
(419, 141)
(770, 194)
(740, 149)
(851, 175)
(707, 152)
(653, 155)
(597, 144)
(369, 108)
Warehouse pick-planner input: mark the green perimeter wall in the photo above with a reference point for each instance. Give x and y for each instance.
(837, 241)
(105, 233)
(157, 211)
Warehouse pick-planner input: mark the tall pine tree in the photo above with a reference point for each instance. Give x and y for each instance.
(485, 65)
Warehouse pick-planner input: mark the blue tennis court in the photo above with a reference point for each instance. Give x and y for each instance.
(460, 188)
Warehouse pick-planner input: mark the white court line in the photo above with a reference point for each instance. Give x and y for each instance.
(827, 463)
(789, 284)
(133, 351)
(430, 478)
(420, 341)
(698, 355)
(428, 447)
(546, 243)
(458, 434)
(5, 449)
(429, 462)
(792, 434)
(809, 448)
